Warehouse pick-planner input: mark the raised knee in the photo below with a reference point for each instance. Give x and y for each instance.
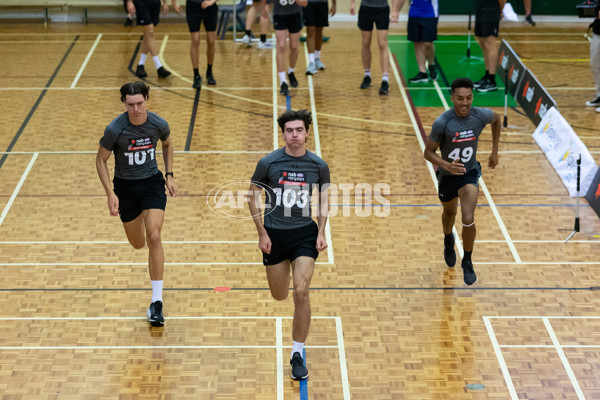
(138, 244)
(279, 296)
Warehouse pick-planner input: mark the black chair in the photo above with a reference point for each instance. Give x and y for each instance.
(226, 13)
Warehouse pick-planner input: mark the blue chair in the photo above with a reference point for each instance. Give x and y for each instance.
(226, 13)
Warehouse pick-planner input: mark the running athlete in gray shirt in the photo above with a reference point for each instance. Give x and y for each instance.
(456, 132)
(138, 196)
(289, 236)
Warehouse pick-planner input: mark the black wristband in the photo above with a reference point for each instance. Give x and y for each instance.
(169, 173)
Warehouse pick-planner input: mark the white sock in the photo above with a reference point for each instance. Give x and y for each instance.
(297, 348)
(157, 287)
(142, 59)
(368, 72)
(386, 77)
(282, 77)
(311, 58)
(318, 54)
(290, 70)
(156, 62)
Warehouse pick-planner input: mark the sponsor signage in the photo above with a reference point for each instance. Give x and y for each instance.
(509, 62)
(533, 98)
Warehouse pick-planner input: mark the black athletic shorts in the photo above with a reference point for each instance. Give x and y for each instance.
(195, 15)
(268, 1)
(448, 185)
(291, 22)
(289, 244)
(422, 29)
(487, 23)
(316, 14)
(367, 16)
(138, 195)
(147, 11)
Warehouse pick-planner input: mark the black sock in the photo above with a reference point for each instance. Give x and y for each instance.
(487, 73)
(492, 78)
(196, 73)
(467, 256)
(247, 32)
(448, 239)
(263, 38)
(208, 69)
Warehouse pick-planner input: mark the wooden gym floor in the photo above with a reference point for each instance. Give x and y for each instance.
(391, 321)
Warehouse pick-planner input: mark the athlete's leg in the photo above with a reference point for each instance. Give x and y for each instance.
(318, 38)
(210, 47)
(384, 56)
(156, 260)
(281, 36)
(310, 38)
(468, 201)
(135, 231)
(294, 48)
(366, 49)
(303, 268)
(149, 42)
(449, 215)
(194, 49)
(278, 277)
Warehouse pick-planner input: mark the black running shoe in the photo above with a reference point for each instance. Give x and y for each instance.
(529, 20)
(299, 371)
(366, 82)
(162, 72)
(293, 80)
(478, 83)
(197, 82)
(418, 78)
(210, 79)
(284, 90)
(593, 103)
(155, 314)
(433, 72)
(128, 22)
(140, 71)
(487, 86)
(449, 253)
(385, 87)
(468, 273)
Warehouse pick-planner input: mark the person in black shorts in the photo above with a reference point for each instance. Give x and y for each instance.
(289, 237)
(287, 22)
(263, 7)
(148, 16)
(138, 195)
(422, 31)
(487, 25)
(315, 17)
(456, 133)
(196, 12)
(375, 12)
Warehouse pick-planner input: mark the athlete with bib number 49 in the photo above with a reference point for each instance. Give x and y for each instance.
(289, 236)
(456, 133)
(139, 196)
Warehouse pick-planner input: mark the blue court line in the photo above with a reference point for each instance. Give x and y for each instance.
(304, 383)
(37, 103)
(288, 102)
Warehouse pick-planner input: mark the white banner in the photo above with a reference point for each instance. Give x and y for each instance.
(562, 147)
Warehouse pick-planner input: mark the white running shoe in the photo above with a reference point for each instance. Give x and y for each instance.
(319, 64)
(247, 40)
(264, 45)
(311, 69)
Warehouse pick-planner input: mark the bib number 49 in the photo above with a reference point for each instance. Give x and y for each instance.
(466, 155)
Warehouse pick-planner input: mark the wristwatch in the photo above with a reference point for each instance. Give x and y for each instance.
(169, 173)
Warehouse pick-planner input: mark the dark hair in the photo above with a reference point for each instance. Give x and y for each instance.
(290, 115)
(134, 88)
(462, 82)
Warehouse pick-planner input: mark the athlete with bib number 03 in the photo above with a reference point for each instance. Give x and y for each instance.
(456, 133)
(289, 236)
(139, 196)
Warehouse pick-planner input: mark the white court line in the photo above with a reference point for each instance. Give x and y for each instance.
(38, 318)
(540, 241)
(491, 203)
(279, 355)
(500, 357)
(538, 317)
(275, 78)
(563, 359)
(87, 59)
(18, 188)
(342, 354)
(151, 347)
(313, 111)
(421, 142)
(539, 263)
(137, 263)
(157, 152)
(107, 88)
(549, 346)
(126, 242)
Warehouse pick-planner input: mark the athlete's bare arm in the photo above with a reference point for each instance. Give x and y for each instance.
(101, 159)
(455, 167)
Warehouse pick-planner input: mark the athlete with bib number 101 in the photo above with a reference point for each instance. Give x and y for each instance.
(289, 236)
(138, 195)
(456, 133)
